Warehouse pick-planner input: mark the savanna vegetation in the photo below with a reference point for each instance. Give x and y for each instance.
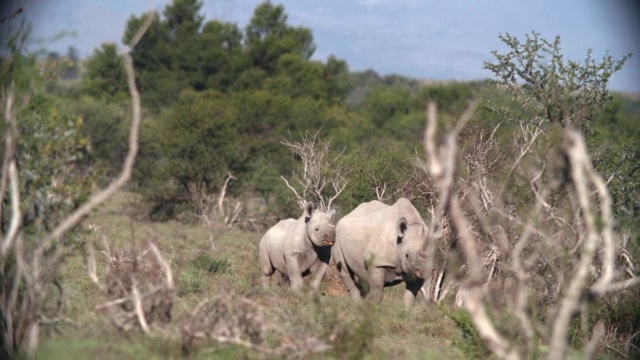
(237, 126)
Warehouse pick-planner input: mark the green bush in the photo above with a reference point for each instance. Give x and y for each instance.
(211, 264)
(191, 281)
(106, 126)
(378, 170)
(467, 338)
(351, 339)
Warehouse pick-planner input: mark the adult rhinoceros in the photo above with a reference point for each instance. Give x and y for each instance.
(381, 245)
(296, 246)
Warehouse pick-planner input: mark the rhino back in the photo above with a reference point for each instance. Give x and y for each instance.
(281, 238)
(367, 234)
(405, 209)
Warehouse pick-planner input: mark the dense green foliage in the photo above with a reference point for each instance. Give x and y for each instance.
(616, 147)
(550, 88)
(221, 99)
(105, 77)
(544, 97)
(546, 89)
(52, 150)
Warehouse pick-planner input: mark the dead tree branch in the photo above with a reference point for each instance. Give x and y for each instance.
(441, 167)
(322, 177)
(140, 290)
(528, 253)
(214, 208)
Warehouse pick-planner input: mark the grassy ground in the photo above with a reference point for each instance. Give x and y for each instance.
(355, 329)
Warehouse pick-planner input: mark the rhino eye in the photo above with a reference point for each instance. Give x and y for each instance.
(406, 255)
(317, 229)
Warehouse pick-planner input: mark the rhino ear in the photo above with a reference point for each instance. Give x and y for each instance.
(332, 214)
(401, 228)
(308, 210)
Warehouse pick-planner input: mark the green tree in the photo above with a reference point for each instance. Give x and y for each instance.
(159, 80)
(298, 77)
(196, 145)
(539, 201)
(546, 90)
(178, 53)
(72, 66)
(183, 19)
(105, 77)
(377, 175)
(616, 143)
(385, 104)
(552, 89)
(268, 37)
(222, 57)
(451, 98)
(336, 74)
(183, 22)
(105, 126)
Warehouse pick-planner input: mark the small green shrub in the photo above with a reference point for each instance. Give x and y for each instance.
(352, 339)
(467, 338)
(211, 264)
(190, 281)
(354, 342)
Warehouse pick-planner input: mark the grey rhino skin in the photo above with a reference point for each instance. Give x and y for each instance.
(294, 247)
(381, 245)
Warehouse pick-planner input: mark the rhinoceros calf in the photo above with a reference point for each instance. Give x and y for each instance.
(381, 245)
(294, 247)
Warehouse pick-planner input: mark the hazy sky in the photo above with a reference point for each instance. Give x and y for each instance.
(431, 39)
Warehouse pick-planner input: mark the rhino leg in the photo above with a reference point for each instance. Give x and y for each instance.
(294, 273)
(266, 267)
(346, 275)
(318, 270)
(410, 294)
(376, 283)
(284, 279)
(266, 281)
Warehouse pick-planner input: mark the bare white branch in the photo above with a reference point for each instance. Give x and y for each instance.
(319, 171)
(137, 302)
(578, 158)
(16, 214)
(301, 200)
(151, 16)
(91, 264)
(441, 168)
(223, 191)
(165, 266)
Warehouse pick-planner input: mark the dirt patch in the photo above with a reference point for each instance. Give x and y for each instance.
(332, 284)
